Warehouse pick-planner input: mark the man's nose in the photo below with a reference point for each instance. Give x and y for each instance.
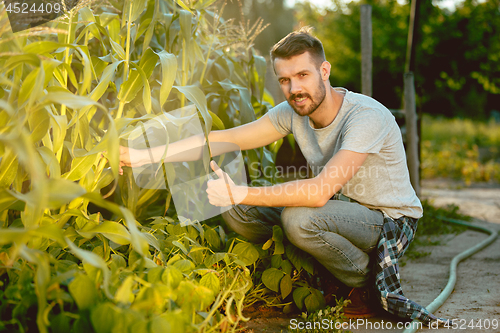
(295, 87)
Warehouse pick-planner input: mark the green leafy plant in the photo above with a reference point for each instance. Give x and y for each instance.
(329, 319)
(82, 249)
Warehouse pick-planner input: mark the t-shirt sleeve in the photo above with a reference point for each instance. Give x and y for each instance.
(281, 118)
(366, 131)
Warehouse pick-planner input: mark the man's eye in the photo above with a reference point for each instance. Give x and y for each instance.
(303, 74)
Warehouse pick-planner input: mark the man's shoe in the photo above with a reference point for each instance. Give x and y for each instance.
(361, 305)
(331, 287)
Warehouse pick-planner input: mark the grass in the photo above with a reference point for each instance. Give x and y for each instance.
(461, 149)
(430, 226)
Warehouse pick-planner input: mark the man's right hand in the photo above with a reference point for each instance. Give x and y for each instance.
(131, 157)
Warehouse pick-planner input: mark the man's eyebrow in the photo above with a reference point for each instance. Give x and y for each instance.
(303, 71)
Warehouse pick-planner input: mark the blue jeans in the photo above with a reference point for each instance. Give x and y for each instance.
(340, 235)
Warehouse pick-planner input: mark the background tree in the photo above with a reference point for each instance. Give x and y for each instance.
(457, 67)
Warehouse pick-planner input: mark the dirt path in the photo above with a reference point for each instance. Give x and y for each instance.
(476, 298)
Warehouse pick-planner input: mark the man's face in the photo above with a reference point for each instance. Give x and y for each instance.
(301, 82)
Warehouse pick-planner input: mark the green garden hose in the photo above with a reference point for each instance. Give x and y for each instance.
(453, 267)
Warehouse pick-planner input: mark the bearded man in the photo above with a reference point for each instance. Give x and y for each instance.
(358, 205)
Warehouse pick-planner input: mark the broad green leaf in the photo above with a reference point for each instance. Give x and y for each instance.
(94, 260)
(154, 274)
(84, 291)
(39, 122)
(8, 168)
(160, 325)
(286, 266)
(138, 77)
(307, 264)
(168, 71)
(277, 233)
(216, 120)
(253, 163)
(276, 261)
(87, 15)
(172, 276)
(139, 242)
(299, 295)
(42, 278)
(212, 259)
(196, 95)
(114, 31)
(185, 22)
(286, 286)
(151, 28)
(246, 252)
(315, 301)
(107, 76)
(261, 68)
(212, 238)
(271, 278)
(247, 113)
(211, 281)
(138, 7)
(43, 47)
(184, 265)
(183, 5)
(103, 317)
(62, 191)
(14, 235)
(152, 240)
(199, 5)
(124, 293)
(80, 166)
(267, 244)
(32, 87)
(87, 69)
(50, 231)
(59, 128)
(13, 62)
(146, 91)
(118, 49)
(70, 100)
(111, 230)
(279, 248)
(293, 254)
(180, 246)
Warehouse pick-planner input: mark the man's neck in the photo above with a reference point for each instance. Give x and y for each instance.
(325, 114)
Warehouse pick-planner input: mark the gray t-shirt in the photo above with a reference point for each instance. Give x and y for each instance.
(362, 125)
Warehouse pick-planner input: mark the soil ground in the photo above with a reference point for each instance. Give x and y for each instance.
(476, 297)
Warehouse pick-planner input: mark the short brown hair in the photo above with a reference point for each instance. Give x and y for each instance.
(298, 42)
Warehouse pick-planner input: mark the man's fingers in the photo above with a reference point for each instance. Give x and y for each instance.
(218, 171)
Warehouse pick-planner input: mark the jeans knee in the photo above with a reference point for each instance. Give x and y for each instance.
(296, 223)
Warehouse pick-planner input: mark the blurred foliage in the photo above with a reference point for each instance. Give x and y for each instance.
(461, 149)
(457, 69)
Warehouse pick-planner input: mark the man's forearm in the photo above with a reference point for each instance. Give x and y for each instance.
(304, 193)
(189, 149)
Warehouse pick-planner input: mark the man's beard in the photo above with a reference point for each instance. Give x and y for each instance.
(315, 101)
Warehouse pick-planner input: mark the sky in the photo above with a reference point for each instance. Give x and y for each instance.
(450, 4)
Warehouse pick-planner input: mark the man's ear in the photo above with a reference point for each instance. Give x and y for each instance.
(325, 70)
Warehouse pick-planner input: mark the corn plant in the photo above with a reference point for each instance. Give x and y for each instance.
(81, 248)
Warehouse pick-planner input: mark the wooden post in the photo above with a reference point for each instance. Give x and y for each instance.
(412, 138)
(366, 50)
(412, 36)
